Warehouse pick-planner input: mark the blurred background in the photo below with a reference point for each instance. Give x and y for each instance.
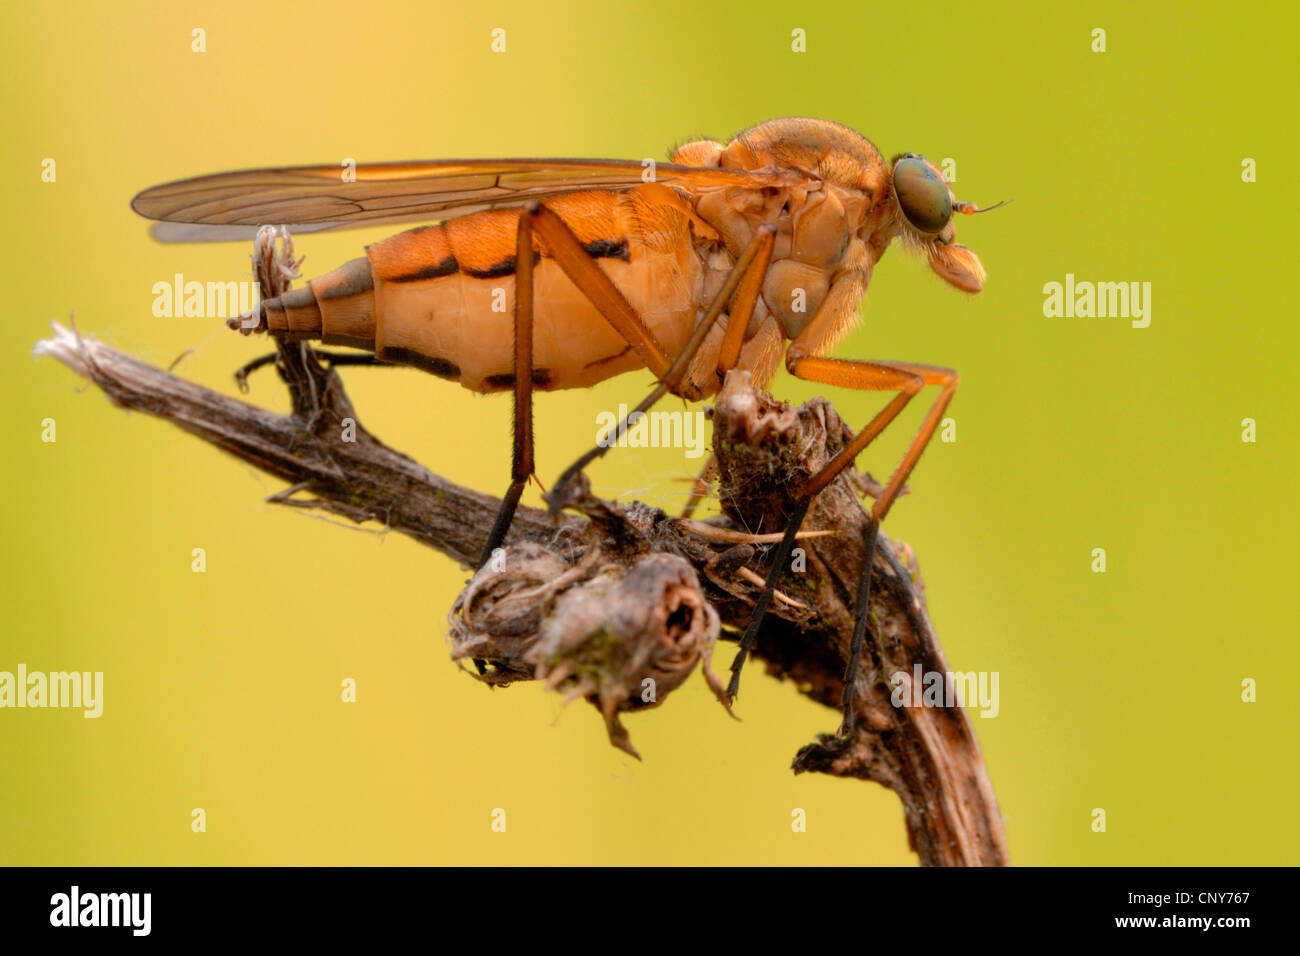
(1119, 691)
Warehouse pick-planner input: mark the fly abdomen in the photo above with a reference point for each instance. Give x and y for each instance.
(442, 297)
(445, 296)
(337, 307)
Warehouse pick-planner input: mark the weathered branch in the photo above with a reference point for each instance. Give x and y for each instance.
(619, 603)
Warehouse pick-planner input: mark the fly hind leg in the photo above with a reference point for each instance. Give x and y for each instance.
(334, 359)
(521, 458)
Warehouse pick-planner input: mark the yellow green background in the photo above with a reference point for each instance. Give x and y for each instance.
(1119, 691)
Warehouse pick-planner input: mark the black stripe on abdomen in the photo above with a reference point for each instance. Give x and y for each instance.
(542, 378)
(608, 249)
(446, 267)
(437, 366)
(506, 267)
(599, 249)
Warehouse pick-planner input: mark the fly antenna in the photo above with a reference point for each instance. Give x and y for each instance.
(969, 208)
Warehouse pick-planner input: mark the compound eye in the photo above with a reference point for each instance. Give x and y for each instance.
(922, 195)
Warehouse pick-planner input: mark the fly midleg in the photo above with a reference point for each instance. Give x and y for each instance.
(743, 282)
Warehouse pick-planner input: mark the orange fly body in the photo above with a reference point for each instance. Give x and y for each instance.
(550, 274)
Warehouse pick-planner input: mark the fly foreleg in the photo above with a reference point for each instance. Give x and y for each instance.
(906, 379)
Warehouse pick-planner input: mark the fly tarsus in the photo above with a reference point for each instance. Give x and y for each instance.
(334, 359)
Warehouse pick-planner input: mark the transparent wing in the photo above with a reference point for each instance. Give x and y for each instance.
(315, 198)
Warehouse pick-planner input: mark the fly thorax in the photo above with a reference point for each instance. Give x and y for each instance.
(794, 292)
(737, 214)
(796, 283)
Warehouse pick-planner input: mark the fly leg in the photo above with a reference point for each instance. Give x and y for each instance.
(599, 289)
(741, 289)
(521, 459)
(568, 252)
(864, 375)
(335, 359)
(907, 380)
